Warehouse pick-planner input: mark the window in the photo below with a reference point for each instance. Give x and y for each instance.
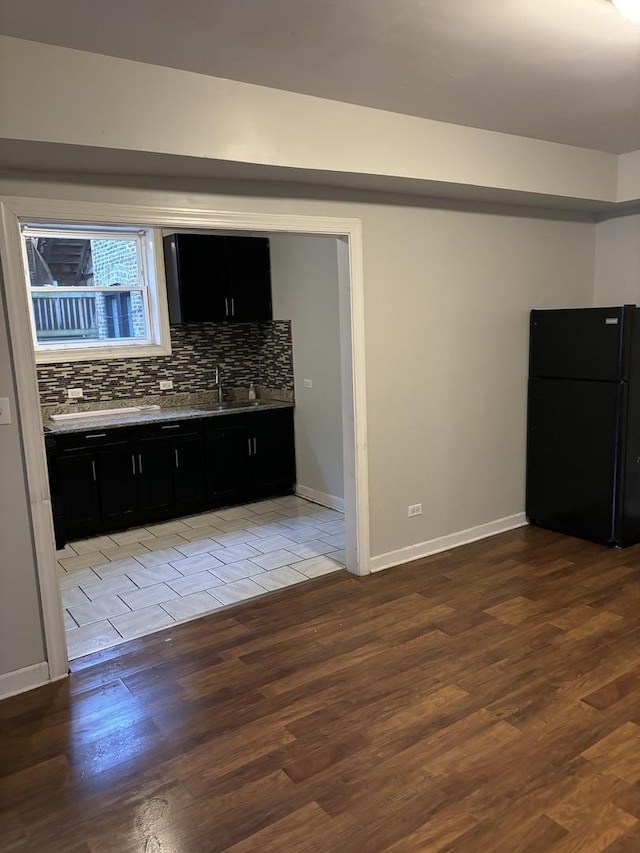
(95, 292)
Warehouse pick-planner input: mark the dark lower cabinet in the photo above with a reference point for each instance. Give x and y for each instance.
(117, 487)
(78, 493)
(121, 478)
(171, 476)
(189, 493)
(155, 479)
(272, 460)
(250, 457)
(227, 456)
(95, 481)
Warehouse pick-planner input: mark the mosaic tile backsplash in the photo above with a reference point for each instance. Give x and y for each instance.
(253, 352)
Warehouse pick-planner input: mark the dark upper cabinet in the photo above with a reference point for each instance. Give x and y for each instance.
(218, 279)
(249, 277)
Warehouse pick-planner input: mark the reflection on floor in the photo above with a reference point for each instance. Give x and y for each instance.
(129, 584)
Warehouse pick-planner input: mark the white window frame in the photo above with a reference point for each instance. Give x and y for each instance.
(154, 292)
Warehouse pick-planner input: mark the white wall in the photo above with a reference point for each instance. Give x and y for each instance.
(304, 274)
(448, 296)
(21, 643)
(617, 270)
(138, 107)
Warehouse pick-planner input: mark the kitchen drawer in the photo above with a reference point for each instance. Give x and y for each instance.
(226, 420)
(172, 429)
(67, 442)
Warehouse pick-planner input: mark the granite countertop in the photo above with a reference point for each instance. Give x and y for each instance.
(169, 413)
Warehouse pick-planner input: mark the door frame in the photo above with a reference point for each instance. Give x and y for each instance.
(348, 232)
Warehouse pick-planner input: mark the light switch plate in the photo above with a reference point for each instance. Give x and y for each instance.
(166, 384)
(74, 393)
(5, 410)
(308, 383)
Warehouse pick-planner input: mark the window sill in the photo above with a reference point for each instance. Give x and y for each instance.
(129, 352)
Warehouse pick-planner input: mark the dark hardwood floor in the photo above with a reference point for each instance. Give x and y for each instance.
(486, 700)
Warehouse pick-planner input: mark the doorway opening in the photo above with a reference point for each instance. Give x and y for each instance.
(126, 584)
(346, 240)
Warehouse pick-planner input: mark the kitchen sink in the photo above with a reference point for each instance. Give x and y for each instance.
(232, 404)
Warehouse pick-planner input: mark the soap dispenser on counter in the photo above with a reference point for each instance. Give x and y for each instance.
(252, 391)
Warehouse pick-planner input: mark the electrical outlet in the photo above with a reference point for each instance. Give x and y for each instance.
(308, 383)
(414, 509)
(166, 384)
(5, 411)
(75, 393)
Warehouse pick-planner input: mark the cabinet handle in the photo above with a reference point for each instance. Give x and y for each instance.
(133, 464)
(249, 445)
(177, 457)
(233, 306)
(97, 435)
(255, 449)
(93, 468)
(226, 307)
(172, 426)
(140, 462)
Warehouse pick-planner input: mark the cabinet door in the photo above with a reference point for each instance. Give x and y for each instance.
(196, 268)
(78, 494)
(249, 279)
(227, 454)
(118, 487)
(156, 464)
(273, 466)
(189, 475)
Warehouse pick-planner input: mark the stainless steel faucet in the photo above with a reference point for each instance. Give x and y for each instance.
(218, 381)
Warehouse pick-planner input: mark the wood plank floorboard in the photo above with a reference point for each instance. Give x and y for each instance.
(483, 700)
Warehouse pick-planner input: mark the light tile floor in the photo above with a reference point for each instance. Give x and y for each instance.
(115, 588)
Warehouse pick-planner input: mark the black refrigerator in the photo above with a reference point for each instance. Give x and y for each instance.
(583, 434)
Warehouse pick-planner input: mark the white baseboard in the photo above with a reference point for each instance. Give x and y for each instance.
(322, 498)
(444, 543)
(21, 680)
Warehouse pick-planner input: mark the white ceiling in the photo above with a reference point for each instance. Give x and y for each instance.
(561, 70)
